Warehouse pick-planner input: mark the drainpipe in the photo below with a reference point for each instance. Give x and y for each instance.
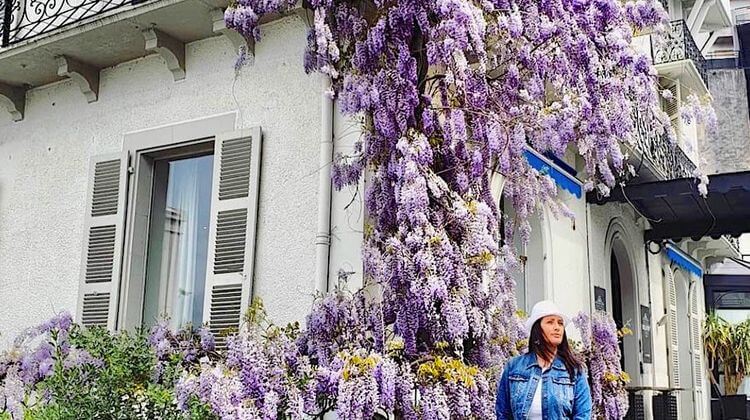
(323, 236)
(651, 308)
(588, 259)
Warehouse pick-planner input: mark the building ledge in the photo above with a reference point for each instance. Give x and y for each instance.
(129, 32)
(103, 41)
(686, 72)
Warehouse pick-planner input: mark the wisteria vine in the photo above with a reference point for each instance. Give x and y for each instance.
(452, 92)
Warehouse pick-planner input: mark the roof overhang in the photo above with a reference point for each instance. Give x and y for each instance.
(675, 209)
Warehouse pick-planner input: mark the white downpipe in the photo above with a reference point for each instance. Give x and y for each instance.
(323, 236)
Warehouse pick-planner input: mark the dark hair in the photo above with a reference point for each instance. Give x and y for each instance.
(539, 346)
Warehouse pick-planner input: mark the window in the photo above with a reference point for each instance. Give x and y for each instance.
(178, 240)
(170, 227)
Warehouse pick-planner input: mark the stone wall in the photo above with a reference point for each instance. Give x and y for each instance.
(728, 149)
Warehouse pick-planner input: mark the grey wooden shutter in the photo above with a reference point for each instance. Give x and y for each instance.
(697, 349)
(231, 252)
(672, 336)
(102, 244)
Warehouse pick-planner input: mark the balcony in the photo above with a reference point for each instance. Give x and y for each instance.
(676, 55)
(677, 46)
(661, 158)
(22, 20)
(45, 41)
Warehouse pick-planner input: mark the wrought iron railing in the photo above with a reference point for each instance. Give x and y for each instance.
(664, 155)
(678, 44)
(25, 19)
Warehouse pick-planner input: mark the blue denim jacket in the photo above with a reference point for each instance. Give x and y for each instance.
(561, 397)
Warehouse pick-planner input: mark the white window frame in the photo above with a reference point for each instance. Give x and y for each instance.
(194, 136)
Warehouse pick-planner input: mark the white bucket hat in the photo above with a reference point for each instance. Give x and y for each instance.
(541, 309)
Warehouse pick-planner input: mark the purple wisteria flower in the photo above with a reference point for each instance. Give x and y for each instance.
(35, 355)
(450, 92)
(600, 347)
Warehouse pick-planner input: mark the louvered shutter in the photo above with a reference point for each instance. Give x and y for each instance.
(102, 245)
(672, 336)
(672, 106)
(231, 252)
(697, 349)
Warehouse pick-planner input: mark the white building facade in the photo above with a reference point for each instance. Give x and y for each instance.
(85, 146)
(134, 116)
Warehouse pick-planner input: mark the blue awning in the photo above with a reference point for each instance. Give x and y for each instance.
(562, 178)
(683, 260)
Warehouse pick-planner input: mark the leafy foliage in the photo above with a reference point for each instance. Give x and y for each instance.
(728, 345)
(60, 371)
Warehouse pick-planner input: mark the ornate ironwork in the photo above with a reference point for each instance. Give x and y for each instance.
(664, 155)
(26, 19)
(678, 44)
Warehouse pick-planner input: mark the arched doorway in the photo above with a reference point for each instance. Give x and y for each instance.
(624, 299)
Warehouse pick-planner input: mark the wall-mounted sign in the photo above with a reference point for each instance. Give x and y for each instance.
(646, 333)
(600, 299)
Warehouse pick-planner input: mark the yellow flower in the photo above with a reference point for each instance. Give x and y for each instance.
(448, 370)
(610, 377)
(395, 345)
(357, 365)
(369, 229)
(484, 257)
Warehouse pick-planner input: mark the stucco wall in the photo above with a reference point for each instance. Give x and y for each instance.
(607, 222)
(565, 246)
(44, 163)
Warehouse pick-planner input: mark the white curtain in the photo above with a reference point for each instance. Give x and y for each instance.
(182, 273)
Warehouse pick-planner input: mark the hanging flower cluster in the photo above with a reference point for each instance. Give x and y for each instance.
(178, 350)
(450, 92)
(262, 375)
(600, 342)
(270, 372)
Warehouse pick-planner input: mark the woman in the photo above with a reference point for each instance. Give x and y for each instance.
(548, 382)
